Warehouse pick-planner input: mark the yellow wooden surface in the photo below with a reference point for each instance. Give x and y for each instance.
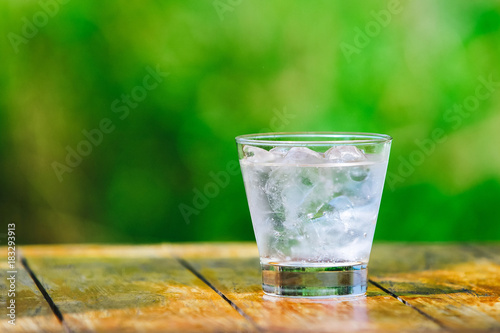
(458, 285)
(120, 289)
(32, 311)
(216, 288)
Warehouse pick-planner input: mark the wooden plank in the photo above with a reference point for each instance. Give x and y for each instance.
(453, 283)
(488, 250)
(33, 314)
(95, 251)
(129, 289)
(216, 250)
(238, 277)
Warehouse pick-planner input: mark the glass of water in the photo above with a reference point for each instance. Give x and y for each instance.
(314, 201)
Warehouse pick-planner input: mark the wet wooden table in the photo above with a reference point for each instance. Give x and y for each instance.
(216, 288)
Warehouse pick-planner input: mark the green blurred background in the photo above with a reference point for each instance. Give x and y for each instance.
(413, 69)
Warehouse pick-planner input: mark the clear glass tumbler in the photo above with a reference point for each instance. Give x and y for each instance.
(314, 201)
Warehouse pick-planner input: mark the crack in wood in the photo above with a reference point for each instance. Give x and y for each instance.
(220, 293)
(425, 314)
(46, 295)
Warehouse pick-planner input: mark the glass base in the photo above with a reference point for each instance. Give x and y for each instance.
(314, 281)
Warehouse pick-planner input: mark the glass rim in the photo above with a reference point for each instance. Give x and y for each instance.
(272, 138)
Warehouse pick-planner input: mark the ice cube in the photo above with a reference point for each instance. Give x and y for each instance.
(343, 206)
(303, 155)
(258, 155)
(287, 188)
(293, 192)
(340, 205)
(280, 151)
(359, 174)
(339, 231)
(345, 154)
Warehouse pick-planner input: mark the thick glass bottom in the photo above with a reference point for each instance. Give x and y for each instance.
(314, 281)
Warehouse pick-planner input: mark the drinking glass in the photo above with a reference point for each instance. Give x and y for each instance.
(314, 199)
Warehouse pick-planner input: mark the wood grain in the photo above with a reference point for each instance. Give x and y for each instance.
(240, 280)
(455, 284)
(427, 287)
(116, 293)
(33, 314)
